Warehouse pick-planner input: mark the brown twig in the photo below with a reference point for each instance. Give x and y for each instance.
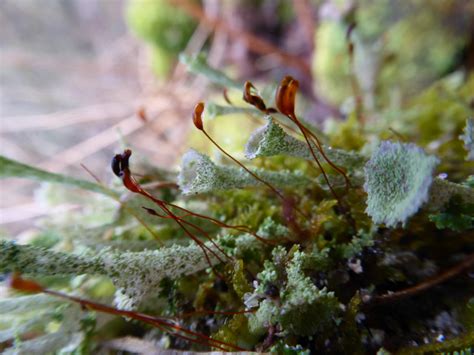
(356, 90)
(304, 12)
(253, 43)
(425, 285)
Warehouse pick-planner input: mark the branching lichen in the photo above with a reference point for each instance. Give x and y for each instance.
(295, 303)
(136, 274)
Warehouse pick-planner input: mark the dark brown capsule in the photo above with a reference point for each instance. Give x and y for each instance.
(197, 116)
(285, 97)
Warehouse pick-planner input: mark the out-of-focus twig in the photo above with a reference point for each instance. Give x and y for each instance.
(62, 119)
(304, 12)
(252, 42)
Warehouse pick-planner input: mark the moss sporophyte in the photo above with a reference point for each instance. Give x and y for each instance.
(304, 247)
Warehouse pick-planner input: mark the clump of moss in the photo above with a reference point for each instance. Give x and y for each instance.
(166, 29)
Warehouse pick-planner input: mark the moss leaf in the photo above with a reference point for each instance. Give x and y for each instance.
(12, 168)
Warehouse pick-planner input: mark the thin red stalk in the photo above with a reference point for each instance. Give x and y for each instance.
(278, 193)
(142, 222)
(120, 167)
(144, 318)
(316, 159)
(304, 130)
(128, 179)
(165, 216)
(243, 166)
(199, 229)
(135, 187)
(193, 237)
(18, 283)
(321, 150)
(244, 229)
(178, 220)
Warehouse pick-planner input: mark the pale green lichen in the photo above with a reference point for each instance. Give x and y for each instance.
(398, 177)
(199, 175)
(358, 243)
(29, 259)
(136, 274)
(271, 140)
(468, 138)
(301, 308)
(305, 308)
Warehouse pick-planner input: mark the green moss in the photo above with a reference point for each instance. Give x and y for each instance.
(160, 24)
(456, 216)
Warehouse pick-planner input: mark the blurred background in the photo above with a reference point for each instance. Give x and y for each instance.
(81, 79)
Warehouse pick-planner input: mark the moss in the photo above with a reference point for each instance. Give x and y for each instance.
(239, 281)
(160, 24)
(456, 216)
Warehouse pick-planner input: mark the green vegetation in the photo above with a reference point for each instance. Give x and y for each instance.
(356, 238)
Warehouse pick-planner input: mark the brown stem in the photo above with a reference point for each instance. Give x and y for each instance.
(252, 42)
(353, 78)
(425, 285)
(199, 229)
(278, 193)
(321, 150)
(131, 184)
(33, 287)
(303, 131)
(240, 228)
(124, 205)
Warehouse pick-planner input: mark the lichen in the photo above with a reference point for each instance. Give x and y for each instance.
(398, 177)
(271, 140)
(294, 302)
(199, 175)
(137, 275)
